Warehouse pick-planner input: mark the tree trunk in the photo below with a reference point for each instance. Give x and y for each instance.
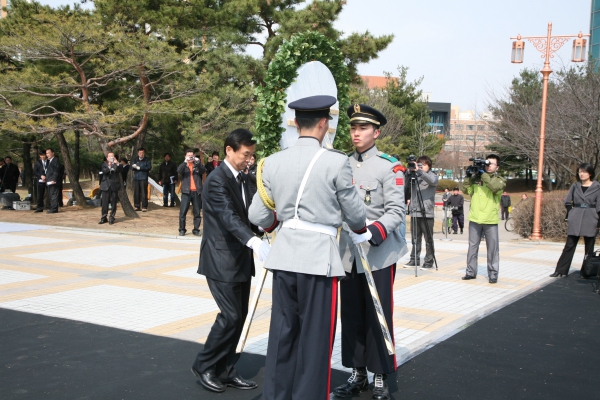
(77, 166)
(74, 179)
(128, 209)
(27, 168)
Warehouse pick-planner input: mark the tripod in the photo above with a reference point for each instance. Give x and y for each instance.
(415, 194)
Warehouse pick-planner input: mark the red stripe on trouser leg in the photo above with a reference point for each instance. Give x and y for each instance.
(392, 311)
(331, 330)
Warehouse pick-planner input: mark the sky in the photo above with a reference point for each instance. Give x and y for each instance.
(461, 48)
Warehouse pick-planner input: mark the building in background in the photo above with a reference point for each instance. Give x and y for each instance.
(439, 117)
(595, 30)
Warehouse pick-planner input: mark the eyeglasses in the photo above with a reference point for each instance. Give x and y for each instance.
(492, 163)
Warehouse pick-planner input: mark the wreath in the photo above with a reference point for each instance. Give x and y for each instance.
(271, 97)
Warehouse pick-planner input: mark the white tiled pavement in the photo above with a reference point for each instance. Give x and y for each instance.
(9, 240)
(10, 276)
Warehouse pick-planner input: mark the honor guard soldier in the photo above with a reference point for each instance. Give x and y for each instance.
(379, 179)
(313, 195)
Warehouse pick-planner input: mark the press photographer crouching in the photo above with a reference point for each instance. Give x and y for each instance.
(420, 189)
(485, 187)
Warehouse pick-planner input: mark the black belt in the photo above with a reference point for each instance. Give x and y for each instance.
(584, 205)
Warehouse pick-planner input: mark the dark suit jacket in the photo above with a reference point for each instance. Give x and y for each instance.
(52, 173)
(224, 255)
(10, 174)
(110, 177)
(38, 169)
(184, 171)
(166, 171)
(210, 168)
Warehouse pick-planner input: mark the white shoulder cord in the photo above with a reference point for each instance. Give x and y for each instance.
(305, 179)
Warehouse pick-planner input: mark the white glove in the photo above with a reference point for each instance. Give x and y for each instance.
(260, 248)
(359, 238)
(136, 166)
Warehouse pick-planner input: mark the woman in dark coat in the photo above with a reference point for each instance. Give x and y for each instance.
(251, 176)
(583, 207)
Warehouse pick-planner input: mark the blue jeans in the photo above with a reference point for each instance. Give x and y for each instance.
(168, 188)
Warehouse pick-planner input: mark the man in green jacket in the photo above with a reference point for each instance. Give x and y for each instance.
(485, 189)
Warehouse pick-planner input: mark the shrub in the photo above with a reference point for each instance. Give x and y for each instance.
(449, 184)
(554, 226)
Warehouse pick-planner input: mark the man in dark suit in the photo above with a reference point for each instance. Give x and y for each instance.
(39, 171)
(227, 262)
(191, 170)
(52, 180)
(141, 165)
(110, 187)
(168, 179)
(10, 176)
(211, 165)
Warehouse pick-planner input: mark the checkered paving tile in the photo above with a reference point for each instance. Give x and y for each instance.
(10, 276)
(10, 240)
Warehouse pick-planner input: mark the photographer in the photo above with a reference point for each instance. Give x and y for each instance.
(455, 204)
(485, 187)
(421, 222)
(191, 171)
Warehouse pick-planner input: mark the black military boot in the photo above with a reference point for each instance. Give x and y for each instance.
(358, 382)
(380, 388)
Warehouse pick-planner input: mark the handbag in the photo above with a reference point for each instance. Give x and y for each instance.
(590, 266)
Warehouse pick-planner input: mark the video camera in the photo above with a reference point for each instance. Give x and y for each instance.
(411, 163)
(478, 166)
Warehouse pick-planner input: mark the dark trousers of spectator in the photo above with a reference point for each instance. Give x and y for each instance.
(458, 221)
(504, 213)
(422, 226)
(168, 188)
(60, 192)
(53, 195)
(9, 187)
(41, 192)
(109, 196)
(566, 258)
(140, 193)
(196, 199)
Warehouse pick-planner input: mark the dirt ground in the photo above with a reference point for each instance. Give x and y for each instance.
(157, 220)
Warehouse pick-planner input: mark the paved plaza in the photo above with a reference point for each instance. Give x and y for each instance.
(149, 284)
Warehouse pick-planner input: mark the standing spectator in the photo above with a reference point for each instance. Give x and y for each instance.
(583, 207)
(250, 172)
(422, 219)
(142, 166)
(110, 187)
(445, 198)
(125, 167)
(39, 171)
(485, 189)
(455, 204)
(10, 176)
(168, 178)
(2, 170)
(504, 204)
(211, 165)
(191, 170)
(524, 198)
(52, 178)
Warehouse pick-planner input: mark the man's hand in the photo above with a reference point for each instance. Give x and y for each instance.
(261, 249)
(160, 183)
(135, 166)
(359, 238)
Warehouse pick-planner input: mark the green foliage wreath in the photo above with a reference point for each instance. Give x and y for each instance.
(300, 49)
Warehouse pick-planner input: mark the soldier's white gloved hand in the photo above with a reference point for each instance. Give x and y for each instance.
(260, 248)
(359, 238)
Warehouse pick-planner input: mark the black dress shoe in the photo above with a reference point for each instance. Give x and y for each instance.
(111, 221)
(181, 233)
(209, 380)
(51, 212)
(380, 388)
(240, 383)
(358, 382)
(196, 233)
(557, 275)
(467, 277)
(493, 280)
(102, 221)
(37, 211)
(138, 209)
(411, 264)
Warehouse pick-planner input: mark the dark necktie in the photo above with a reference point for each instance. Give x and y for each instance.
(359, 157)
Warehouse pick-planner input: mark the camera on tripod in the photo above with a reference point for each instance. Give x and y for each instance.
(479, 165)
(411, 163)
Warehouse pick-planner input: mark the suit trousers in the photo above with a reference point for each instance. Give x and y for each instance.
(53, 195)
(168, 188)
(504, 212)
(566, 258)
(196, 199)
(109, 196)
(140, 193)
(303, 318)
(219, 350)
(362, 339)
(458, 221)
(41, 193)
(491, 242)
(422, 226)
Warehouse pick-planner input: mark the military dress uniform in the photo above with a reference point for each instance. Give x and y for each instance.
(305, 258)
(379, 179)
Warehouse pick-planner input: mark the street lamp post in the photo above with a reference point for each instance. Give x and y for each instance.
(547, 45)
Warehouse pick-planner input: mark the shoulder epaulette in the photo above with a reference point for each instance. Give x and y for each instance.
(387, 157)
(336, 151)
